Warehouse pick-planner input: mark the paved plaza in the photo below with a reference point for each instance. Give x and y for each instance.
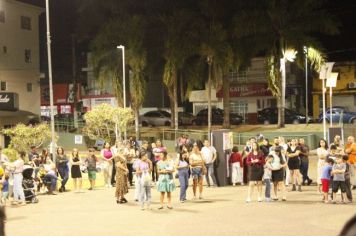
(222, 212)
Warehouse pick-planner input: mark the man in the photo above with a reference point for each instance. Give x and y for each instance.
(304, 158)
(33, 155)
(350, 149)
(209, 155)
(339, 145)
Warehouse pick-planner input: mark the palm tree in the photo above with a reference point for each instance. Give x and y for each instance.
(278, 25)
(130, 33)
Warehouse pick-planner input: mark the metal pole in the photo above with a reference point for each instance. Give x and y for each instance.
(306, 85)
(50, 82)
(324, 109)
(123, 82)
(283, 102)
(331, 106)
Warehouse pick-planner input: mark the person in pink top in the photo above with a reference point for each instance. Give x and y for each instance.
(107, 157)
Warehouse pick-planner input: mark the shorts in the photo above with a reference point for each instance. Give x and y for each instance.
(5, 195)
(197, 173)
(325, 185)
(339, 184)
(92, 175)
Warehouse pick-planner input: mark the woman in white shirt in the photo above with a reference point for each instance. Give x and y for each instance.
(19, 196)
(322, 153)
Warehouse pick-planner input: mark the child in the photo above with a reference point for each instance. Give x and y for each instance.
(236, 166)
(5, 189)
(267, 176)
(143, 173)
(91, 166)
(325, 178)
(338, 171)
(345, 158)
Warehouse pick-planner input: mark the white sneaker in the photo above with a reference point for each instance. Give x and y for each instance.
(259, 199)
(248, 200)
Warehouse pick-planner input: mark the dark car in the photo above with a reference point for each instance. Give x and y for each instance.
(270, 116)
(185, 118)
(156, 118)
(338, 112)
(217, 117)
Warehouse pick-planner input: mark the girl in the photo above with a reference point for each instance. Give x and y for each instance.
(278, 165)
(255, 161)
(62, 167)
(91, 166)
(143, 173)
(17, 166)
(196, 162)
(165, 183)
(294, 164)
(322, 153)
(107, 157)
(121, 178)
(157, 150)
(182, 166)
(236, 165)
(75, 171)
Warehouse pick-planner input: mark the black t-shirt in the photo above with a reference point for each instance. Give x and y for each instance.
(290, 150)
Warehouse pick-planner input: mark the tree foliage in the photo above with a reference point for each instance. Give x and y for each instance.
(23, 137)
(103, 120)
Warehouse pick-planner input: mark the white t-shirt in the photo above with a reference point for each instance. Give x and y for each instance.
(208, 154)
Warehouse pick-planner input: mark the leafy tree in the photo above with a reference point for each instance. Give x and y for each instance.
(274, 26)
(105, 122)
(23, 137)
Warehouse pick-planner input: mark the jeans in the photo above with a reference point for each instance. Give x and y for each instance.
(183, 175)
(268, 188)
(144, 191)
(304, 166)
(348, 189)
(64, 173)
(52, 179)
(130, 176)
(18, 190)
(210, 170)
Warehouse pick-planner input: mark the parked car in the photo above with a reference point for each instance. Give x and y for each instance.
(185, 118)
(270, 116)
(156, 118)
(217, 117)
(337, 113)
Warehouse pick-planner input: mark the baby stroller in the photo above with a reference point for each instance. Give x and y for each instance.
(28, 184)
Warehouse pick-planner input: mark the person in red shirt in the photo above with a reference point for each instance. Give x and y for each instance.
(236, 166)
(255, 161)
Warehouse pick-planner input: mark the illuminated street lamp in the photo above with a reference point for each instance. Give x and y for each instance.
(325, 72)
(331, 83)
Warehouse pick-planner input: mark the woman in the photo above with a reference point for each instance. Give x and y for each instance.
(293, 153)
(278, 165)
(107, 157)
(265, 147)
(165, 169)
(322, 153)
(75, 171)
(236, 166)
(121, 178)
(255, 161)
(182, 166)
(17, 166)
(157, 150)
(130, 154)
(197, 165)
(62, 167)
(143, 174)
(45, 157)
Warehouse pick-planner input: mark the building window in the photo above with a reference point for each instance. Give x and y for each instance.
(25, 22)
(3, 86)
(2, 16)
(27, 55)
(29, 87)
(240, 107)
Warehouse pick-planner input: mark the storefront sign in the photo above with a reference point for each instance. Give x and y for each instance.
(247, 90)
(9, 101)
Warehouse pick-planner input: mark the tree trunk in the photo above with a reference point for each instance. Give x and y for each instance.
(175, 94)
(137, 127)
(209, 101)
(171, 104)
(281, 123)
(226, 102)
(74, 74)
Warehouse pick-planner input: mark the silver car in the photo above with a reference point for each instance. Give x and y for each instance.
(156, 118)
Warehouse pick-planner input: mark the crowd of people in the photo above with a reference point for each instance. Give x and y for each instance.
(278, 167)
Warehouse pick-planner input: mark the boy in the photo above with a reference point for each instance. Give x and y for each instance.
(91, 166)
(338, 171)
(325, 178)
(345, 159)
(267, 176)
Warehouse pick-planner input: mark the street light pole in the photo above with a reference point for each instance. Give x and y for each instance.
(49, 55)
(306, 85)
(123, 80)
(331, 83)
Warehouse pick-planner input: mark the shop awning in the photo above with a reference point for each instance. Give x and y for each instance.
(16, 113)
(247, 90)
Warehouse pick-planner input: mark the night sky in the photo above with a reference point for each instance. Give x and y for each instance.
(63, 23)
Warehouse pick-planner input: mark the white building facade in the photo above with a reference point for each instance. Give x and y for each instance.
(19, 63)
